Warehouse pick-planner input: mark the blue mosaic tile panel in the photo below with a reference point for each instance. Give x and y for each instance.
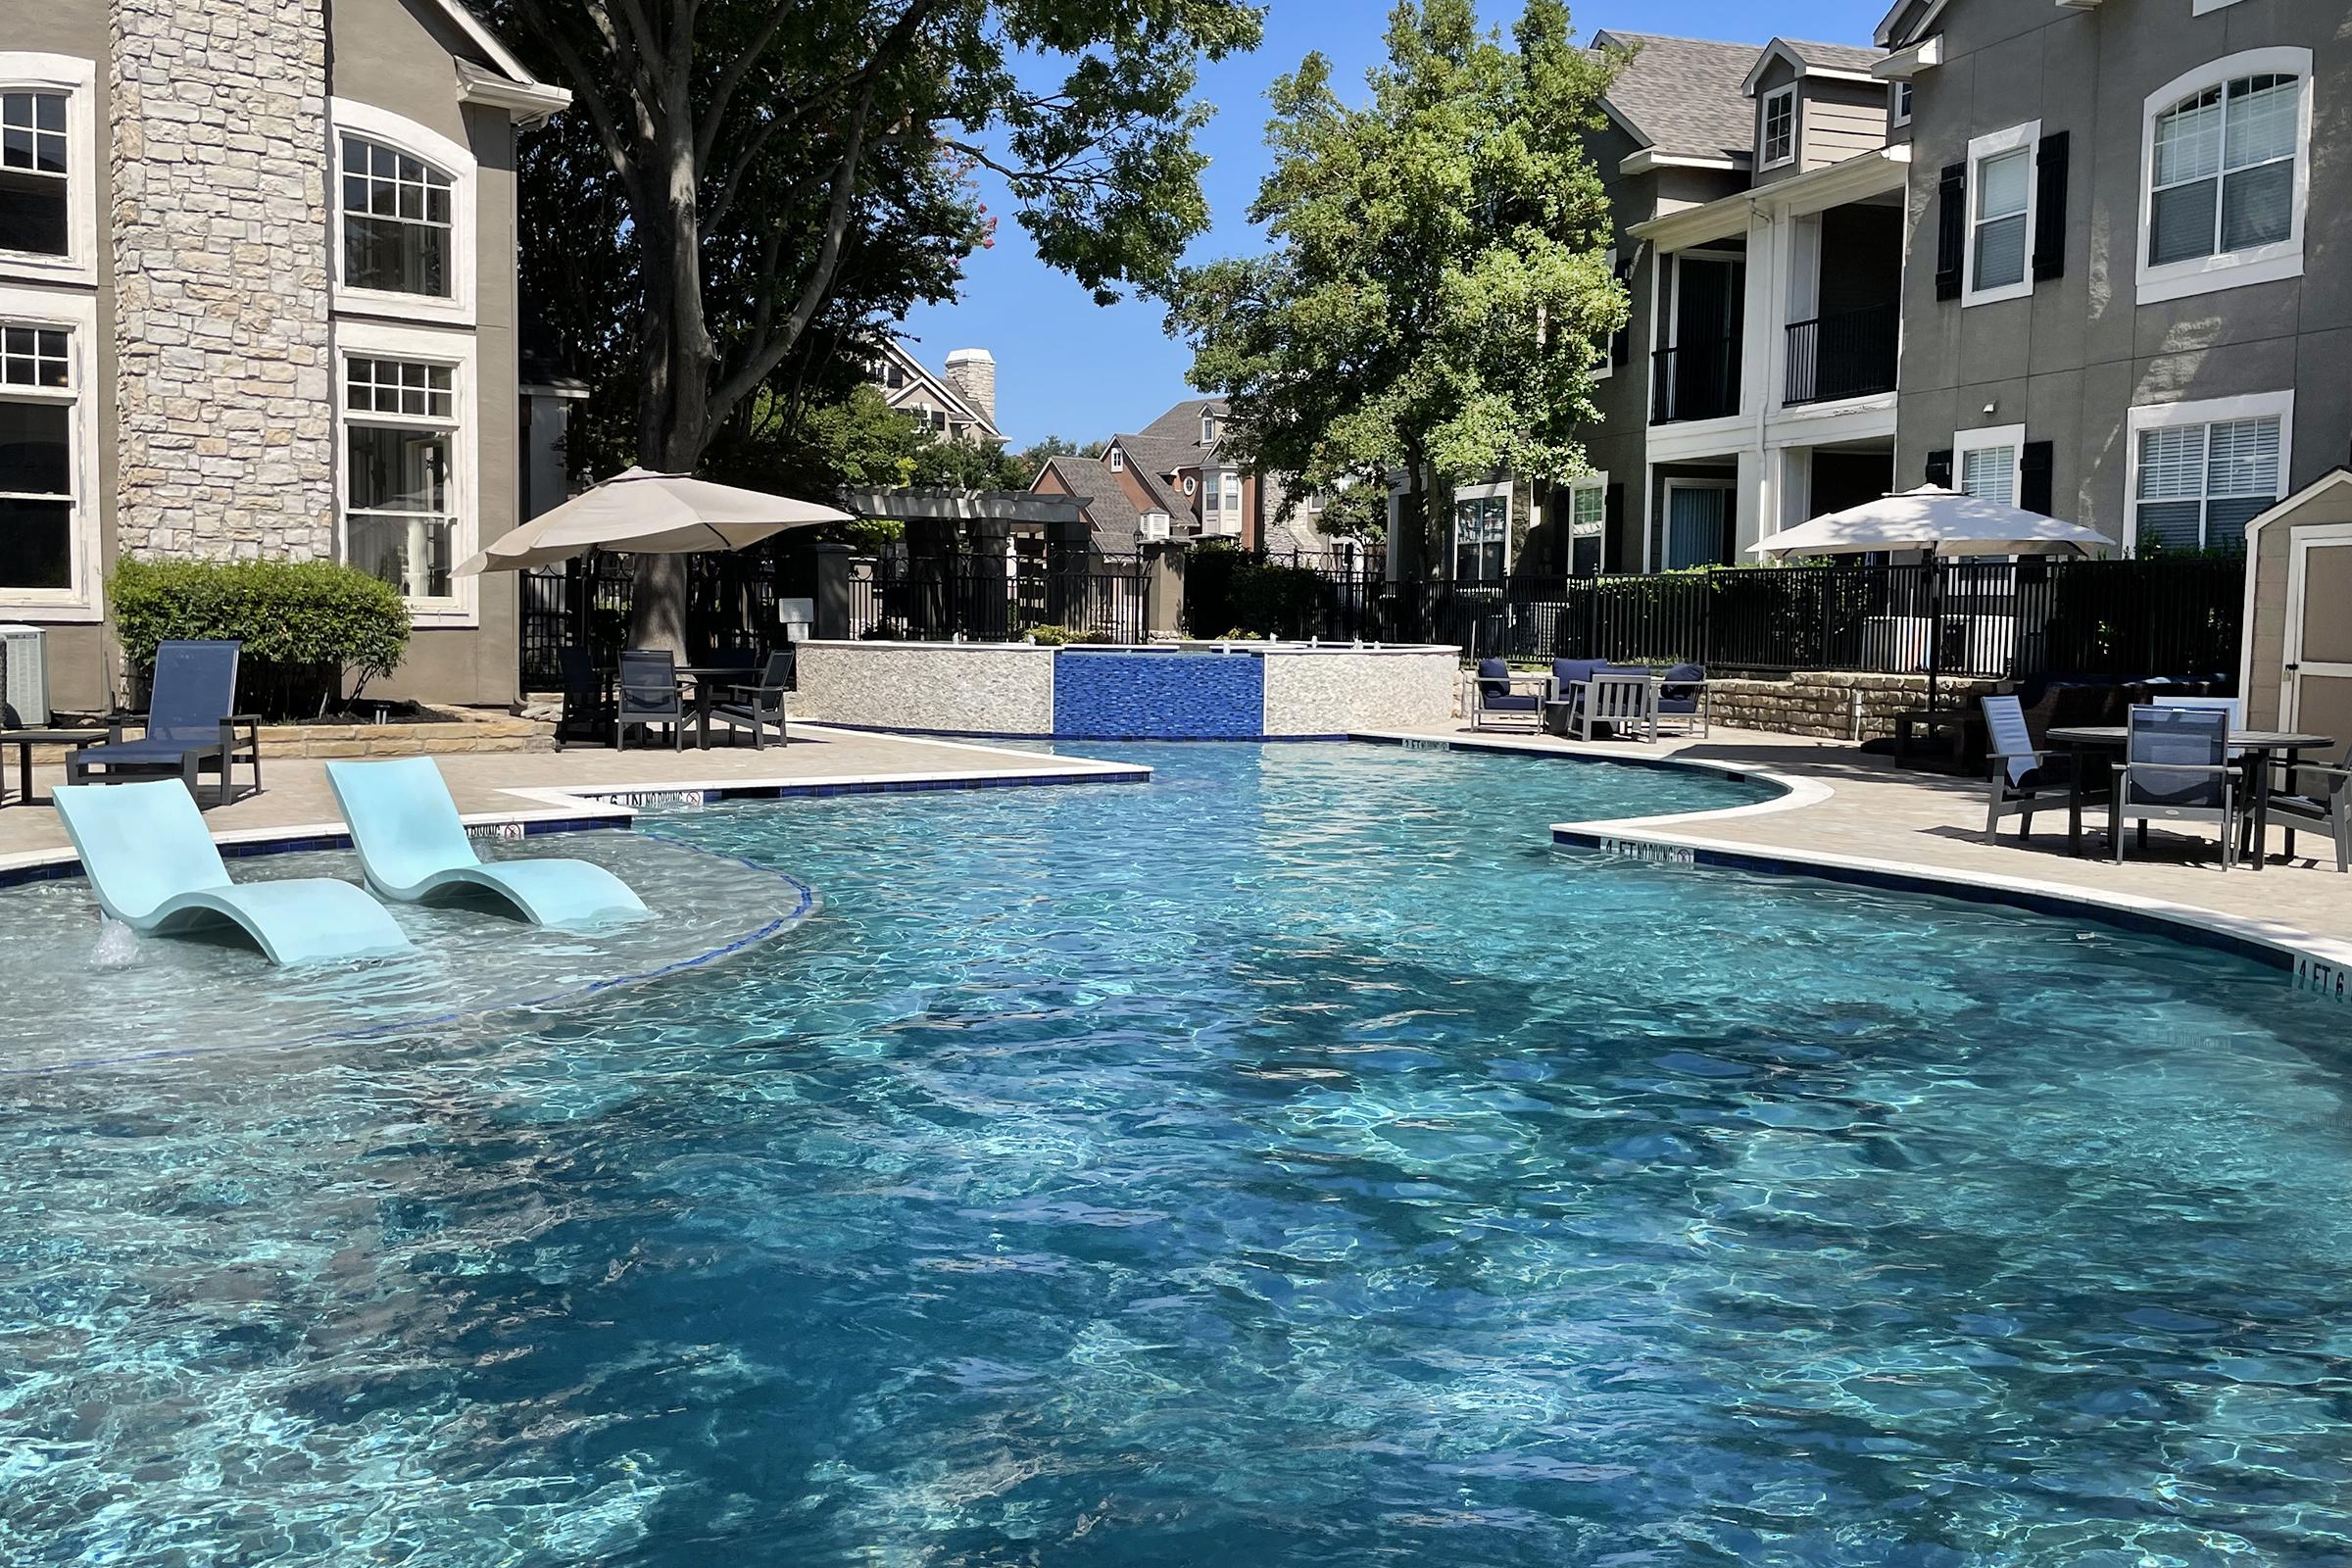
(1158, 696)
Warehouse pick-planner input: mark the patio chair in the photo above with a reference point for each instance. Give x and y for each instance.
(1622, 699)
(414, 849)
(2234, 706)
(1683, 698)
(650, 694)
(2176, 768)
(192, 721)
(588, 706)
(763, 701)
(2318, 794)
(2024, 775)
(1496, 691)
(154, 868)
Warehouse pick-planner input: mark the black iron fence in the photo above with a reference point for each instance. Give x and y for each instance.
(1846, 354)
(1292, 595)
(993, 599)
(730, 602)
(1993, 619)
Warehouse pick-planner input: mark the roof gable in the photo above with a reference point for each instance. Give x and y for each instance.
(1683, 97)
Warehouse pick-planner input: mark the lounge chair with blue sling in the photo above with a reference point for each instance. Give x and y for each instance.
(155, 868)
(192, 720)
(413, 848)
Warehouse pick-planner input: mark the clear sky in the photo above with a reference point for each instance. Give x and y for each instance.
(1067, 368)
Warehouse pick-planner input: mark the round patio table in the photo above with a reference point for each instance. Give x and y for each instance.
(2083, 741)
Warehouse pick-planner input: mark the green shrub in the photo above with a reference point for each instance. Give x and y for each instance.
(306, 625)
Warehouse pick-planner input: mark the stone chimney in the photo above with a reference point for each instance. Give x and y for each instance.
(218, 149)
(972, 373)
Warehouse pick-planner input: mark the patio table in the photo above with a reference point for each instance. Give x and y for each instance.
(2083, 742)
(24, 740)
(708, 679)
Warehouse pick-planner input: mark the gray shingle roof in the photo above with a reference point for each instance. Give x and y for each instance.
(1836, 56)
(1109, 512)
(1684, 96)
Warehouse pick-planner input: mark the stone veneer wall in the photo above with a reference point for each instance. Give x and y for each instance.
(219, 164)
(943, 688)
(1341, 693)
(1822, 703)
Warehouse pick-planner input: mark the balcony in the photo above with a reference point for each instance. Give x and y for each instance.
(1694, 381)
(1846, 354)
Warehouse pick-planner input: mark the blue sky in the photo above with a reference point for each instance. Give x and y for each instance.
(1067, 368)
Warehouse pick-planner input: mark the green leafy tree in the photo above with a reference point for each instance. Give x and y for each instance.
(1438, 294)
(746, 186)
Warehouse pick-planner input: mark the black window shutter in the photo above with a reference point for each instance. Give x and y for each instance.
(1939, 468)
(1951, 229)
(2033, 482)
(2049, 208)
(1612, 521)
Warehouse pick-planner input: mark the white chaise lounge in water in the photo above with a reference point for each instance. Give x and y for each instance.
(412, 846)
(156, 869)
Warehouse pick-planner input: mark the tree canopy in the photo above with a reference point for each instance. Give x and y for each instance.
(1438, 294)
(746, 192)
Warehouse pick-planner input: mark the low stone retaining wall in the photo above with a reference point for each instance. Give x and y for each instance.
(1832, 705)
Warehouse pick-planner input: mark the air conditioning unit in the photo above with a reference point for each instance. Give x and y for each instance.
(24, 675)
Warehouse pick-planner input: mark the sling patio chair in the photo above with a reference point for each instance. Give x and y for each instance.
(2025, 777)
(414, 849)
(192, 721)
(588, 705)
(2176, 768)
(2318, 795)
(154, 868)
(763, 703)
(650, 693)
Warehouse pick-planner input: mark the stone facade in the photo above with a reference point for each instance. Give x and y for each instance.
(219, 153)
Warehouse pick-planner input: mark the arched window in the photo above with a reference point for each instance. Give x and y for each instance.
(2226, 171)
(404, 217)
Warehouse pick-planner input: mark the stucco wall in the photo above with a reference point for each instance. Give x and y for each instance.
(1335, 693)
(945, 688)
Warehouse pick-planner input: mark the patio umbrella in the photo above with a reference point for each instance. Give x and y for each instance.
(1941, 523)
(643, 513)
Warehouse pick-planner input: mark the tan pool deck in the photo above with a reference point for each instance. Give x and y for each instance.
(1851, 809)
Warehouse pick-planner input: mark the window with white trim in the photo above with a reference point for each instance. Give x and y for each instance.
(398, 221)
(2000, 215)
(1587, 524)
(1208, 429)
(1212, 494)
(48, 167)
(2201, 471)
(1988, 463)
(404, 217)
(1118, 459)
(1233, 494)
(1482, 534)
(39, 537)
(399, 492)
(1780, 126)
(2226, 175)
(1898, 103)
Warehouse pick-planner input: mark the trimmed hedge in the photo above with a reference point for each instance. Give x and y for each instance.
(306, 625)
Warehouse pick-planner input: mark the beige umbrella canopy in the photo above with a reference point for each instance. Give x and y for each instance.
(648, 514)
(1940, 521)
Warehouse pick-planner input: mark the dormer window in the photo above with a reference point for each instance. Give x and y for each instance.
(1118, 459)
(1208, 429)
(1779, 127)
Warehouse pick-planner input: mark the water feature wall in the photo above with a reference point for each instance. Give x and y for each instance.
(1178, 691)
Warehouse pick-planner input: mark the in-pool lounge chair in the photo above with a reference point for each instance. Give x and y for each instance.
(413, 848)
(156, 869)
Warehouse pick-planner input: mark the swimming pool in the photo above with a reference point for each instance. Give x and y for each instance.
(1293, 1160)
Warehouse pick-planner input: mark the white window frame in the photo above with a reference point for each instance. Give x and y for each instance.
(1598, 482)
(1899, 102)
(1992, 145)
(459, 351)
(1116, 457)
(2012, 436)
(2259, 264)
(77, 79)
(1665, 521)
(1453, 527)
(82, 599)
(1764, 157)
(2207, 411)
(1208, 429)
(447, 157)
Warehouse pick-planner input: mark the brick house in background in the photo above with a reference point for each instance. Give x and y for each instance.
(257, 300)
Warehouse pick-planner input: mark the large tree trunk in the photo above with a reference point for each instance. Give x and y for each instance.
(673, 412)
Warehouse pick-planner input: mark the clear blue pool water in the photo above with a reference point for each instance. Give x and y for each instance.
(1293, 1160)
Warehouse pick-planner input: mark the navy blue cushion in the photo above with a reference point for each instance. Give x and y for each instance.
(1517, 703)
(1494, 682)
(1566, 672)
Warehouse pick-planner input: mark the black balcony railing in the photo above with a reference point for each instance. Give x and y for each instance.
(1694, 381)
(1845, 354)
